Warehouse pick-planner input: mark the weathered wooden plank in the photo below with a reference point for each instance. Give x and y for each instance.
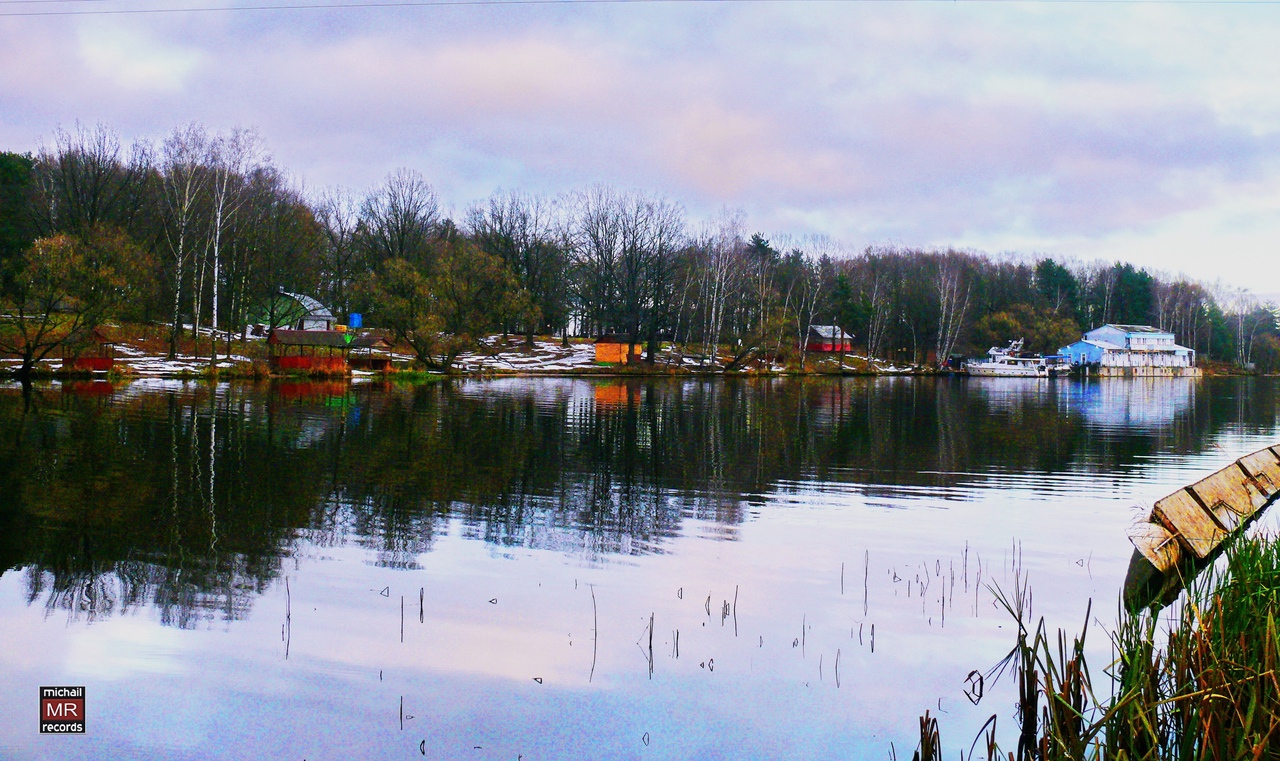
(1228, 496)
(1264, 466)
(1157, 545)
(1184, 517)
(1188, 527)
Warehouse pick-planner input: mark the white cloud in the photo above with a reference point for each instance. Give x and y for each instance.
(1140, 132)
(131, 59)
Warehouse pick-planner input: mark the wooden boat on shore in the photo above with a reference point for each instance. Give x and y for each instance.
(1187, 529)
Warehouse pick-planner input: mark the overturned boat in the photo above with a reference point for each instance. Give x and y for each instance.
(1189, 528)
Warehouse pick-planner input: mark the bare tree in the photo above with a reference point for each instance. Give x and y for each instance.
(398, 219)
(525, 232)
(184, 178)
(1250, 317)
(875, 279)
(596, 244)
(1099, 278)
(338, 215)
(274, 243)
(720, 243)
(806, 288)
(232, 157)
(662, 237)
(85, 181)
(951, 279)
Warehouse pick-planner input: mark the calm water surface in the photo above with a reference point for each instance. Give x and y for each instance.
(565, 569)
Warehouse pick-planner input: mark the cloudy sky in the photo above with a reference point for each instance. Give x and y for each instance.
(1148, 132)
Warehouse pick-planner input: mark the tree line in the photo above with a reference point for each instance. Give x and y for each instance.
(203, 230)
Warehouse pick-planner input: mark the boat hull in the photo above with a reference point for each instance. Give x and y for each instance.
(1007, 371)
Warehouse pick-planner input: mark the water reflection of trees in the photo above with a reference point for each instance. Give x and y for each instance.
(188, 499)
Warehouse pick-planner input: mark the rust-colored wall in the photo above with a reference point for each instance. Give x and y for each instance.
(614, 353)
(92, 364)
(829, 346)
(332, 364)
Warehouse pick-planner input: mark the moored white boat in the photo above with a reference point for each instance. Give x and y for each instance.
(1009, 363)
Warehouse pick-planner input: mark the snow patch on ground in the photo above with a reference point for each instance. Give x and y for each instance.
(144, 366)
(495, 356)
(544, 356)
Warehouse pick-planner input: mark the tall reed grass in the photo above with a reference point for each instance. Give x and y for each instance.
(1193, 682)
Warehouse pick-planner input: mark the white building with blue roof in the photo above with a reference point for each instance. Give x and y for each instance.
(1130, 350)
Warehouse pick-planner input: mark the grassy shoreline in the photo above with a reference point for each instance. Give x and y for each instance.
(497, 356)
(255, 372)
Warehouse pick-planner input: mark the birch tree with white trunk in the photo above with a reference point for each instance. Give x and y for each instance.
(184, 172)
(233, 157)
(954, 287)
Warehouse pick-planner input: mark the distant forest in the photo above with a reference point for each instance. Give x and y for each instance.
(203, 228)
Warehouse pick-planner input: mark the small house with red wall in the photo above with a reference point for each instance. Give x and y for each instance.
(617, 349)
(828, 338)
(322, 351)
(88, 351)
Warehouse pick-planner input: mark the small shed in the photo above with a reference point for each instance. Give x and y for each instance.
(617, 349)
(828, 338)
(88, 351)
(370, 352)
(309, 350)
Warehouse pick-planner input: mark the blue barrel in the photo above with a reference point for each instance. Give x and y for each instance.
(355, 320)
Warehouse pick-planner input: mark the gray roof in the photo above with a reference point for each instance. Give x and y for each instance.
(829, 331)
(1135, 328)
(314, 308)
(333, 338)
(1099, 344)
(1107, 345)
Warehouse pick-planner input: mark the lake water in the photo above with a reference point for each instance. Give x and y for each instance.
(563, 568)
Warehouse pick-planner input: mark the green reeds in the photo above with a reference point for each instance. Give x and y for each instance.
(1196, 682)
(1211, 690)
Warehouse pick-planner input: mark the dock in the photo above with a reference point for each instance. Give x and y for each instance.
(1186, 529)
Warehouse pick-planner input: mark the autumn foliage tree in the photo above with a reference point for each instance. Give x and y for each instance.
(62, 286)
(1042, 330)
(448, 307)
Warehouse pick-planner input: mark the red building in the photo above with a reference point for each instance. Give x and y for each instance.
(323, 351)
(88, 351)
(828, 338)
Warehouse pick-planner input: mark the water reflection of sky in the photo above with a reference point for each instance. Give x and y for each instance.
(842, 503)
(1105, 404)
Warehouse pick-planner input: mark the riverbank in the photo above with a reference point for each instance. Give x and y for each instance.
(143, 352)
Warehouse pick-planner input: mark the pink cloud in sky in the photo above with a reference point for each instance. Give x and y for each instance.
(1082, 131)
